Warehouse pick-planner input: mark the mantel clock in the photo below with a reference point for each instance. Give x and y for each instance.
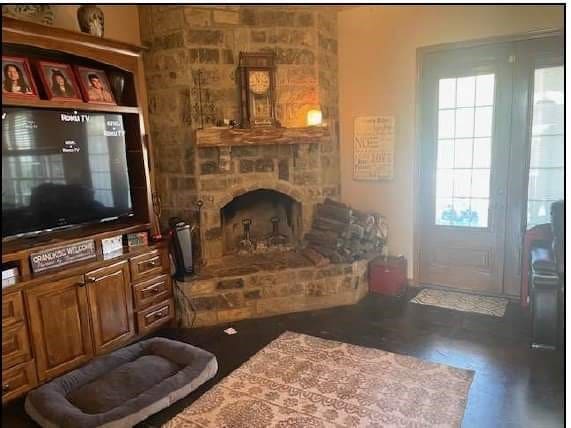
(256, 74)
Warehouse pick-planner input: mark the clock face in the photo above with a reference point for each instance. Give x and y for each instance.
(259, 81)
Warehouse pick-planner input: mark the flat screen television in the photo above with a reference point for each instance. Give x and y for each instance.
(62, 168)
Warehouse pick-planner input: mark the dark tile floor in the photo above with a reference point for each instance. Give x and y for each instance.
(513, 386)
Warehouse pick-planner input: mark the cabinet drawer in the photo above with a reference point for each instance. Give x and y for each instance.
(12, 308)
(18, 380)
(155, 316)
(146, 265)
(152, 290)
(15, 345)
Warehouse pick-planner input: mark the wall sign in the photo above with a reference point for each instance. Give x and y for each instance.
(373, 147)
(61, 256)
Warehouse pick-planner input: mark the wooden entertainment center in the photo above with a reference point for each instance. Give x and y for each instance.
(56, 320)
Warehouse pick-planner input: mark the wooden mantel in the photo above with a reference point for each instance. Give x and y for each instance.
(223, 137)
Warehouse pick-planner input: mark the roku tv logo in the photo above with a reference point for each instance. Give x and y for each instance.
(64, 117)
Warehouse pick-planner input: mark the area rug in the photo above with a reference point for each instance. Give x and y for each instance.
(495, 306)
(307, 382)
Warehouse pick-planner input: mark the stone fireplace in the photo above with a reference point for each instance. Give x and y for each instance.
(259, 189)
(254, 176)
(246, 176)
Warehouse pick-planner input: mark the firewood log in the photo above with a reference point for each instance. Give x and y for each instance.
(341, 214)
(316, 258)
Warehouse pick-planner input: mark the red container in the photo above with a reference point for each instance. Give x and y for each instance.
(388, 276)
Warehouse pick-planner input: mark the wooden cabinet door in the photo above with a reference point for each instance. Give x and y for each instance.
(59, 325)
(110, 306)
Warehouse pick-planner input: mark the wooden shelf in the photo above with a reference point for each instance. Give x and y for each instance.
(75, 105)
(30, 280)
(220, 137)
(12, 250)
(22, 30)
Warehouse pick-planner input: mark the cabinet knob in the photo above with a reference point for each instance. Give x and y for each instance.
(90, 279)
(5, 387)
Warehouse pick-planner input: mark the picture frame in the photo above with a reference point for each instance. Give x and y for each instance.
(59, 81)
(17, 78)
(94, 86)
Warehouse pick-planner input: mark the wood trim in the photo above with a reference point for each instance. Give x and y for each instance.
(548, 32)
(14, 26)
(76, 105)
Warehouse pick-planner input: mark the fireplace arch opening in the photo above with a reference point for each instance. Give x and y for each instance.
(260, 221)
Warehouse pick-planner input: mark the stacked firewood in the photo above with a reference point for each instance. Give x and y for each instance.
(341, 234)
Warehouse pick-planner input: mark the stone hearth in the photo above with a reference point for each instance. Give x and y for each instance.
(257, 286)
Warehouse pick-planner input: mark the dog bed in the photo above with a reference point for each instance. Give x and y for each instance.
(123, 388)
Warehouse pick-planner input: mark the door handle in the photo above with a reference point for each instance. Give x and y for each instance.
(92, 279)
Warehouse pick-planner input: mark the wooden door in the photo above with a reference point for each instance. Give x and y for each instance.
(59, 325)
(536, 177)
(466, 96)
(110, 306)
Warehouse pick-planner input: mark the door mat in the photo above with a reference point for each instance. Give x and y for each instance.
(495, 306)
(305, 381)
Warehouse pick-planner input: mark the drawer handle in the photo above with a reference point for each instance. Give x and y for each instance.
(153, 263)
(5, 387)
(160, 313)
(155, 288)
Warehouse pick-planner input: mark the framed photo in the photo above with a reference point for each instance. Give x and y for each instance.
(59, 81)
(94, 86)
(17, 80)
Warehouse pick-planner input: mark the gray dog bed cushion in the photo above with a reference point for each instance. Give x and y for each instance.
(122, 388)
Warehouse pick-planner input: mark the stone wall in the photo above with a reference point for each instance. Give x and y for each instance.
(257, 295)
(186, 42)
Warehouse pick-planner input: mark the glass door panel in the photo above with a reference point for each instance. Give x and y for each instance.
(464, 147)
(546, 166)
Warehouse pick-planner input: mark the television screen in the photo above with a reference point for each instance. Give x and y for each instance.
(62, 168)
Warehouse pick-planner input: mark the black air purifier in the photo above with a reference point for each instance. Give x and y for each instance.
(181, 233)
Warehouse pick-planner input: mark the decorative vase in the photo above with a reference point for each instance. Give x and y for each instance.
(91, 20)
(117, 82)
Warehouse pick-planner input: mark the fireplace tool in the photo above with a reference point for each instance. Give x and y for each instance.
(275, 238)
(246, 244)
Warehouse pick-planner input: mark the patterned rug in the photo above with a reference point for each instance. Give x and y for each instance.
(307, 382)
(495, 306)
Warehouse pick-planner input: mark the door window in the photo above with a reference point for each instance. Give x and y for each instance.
(465, 111)
(546, 165)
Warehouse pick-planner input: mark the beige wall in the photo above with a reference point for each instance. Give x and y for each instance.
(377, 76)
(121, 22)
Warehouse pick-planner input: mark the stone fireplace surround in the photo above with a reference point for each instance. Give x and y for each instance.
(287, 162)
(233, 163)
